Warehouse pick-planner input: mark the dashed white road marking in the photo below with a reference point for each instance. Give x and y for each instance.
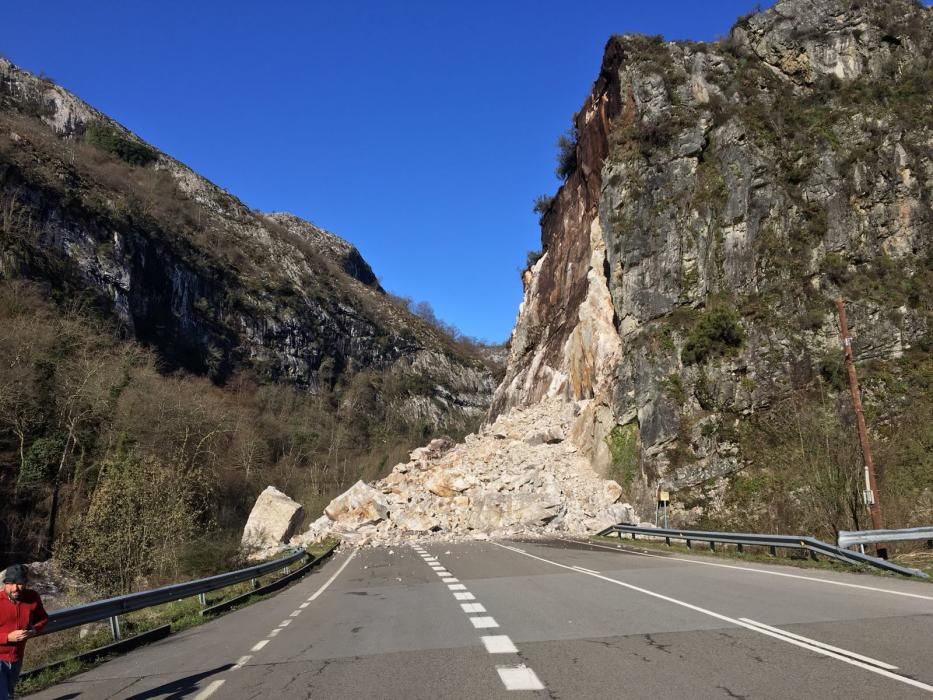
(259, 645)
(275, 632)
(442, 573)
(473, 607)
(739, 623)
(822, 645)
(304, 605)
(499, 644)
(294, 613)
(519, 678)
(209, 690)
(482, 623)
(464, 596)
(241, 662)
(285, 623)
(456, 586)
(754, 570)
(450, 579)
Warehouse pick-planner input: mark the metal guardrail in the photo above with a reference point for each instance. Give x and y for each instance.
(848, 538)
(112, 608)
(740, 539)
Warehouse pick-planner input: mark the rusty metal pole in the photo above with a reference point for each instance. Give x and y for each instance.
(874, 506)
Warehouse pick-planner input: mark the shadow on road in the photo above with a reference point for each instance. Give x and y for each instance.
(176, 690)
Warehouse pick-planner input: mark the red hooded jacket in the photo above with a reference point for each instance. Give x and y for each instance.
(19, 615)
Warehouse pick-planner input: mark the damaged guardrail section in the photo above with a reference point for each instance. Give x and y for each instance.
(740, 539)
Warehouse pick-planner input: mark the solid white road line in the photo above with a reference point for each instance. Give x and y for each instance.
(739, 623)
(519, 678)
(822, 645)
(756, 571)
(259, 645)
(332, 578)
(464, 596)
(456, 586)
(209, 690)
(241, 662)
(587, 571)
(482, 623)
(473, 607)
(499, 644)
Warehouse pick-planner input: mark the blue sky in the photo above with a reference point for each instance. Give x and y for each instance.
(420, 131)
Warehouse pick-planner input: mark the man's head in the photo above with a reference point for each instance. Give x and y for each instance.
(14, 580)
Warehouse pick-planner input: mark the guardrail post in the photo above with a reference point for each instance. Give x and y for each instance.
(202, 599)
(667, 541)
(288, 569)
(712, 546)
(740, 548)
(813, 555)
(772, 550)
(689, 544)
(254, 583)
(929, 544)
(115, 628)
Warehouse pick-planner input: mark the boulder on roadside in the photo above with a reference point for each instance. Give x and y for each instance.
(272, 521)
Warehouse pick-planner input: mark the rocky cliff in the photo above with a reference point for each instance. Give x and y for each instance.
(187, 268)
(723, 196)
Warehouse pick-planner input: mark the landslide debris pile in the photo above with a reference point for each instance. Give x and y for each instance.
(520, 476)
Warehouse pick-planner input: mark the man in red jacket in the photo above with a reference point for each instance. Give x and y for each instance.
(21, 617)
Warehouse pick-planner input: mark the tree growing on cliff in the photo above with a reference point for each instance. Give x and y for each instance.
(567, 153)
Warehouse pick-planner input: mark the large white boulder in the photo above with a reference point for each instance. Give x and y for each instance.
(272, 521)
(359, 505)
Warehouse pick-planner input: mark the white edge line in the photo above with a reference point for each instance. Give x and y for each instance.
(757, 571)
(739, 623)
(822, 645)
(588, 571)
(332, 578)
(209, 690)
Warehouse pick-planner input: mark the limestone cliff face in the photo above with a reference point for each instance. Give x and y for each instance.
(725, 194)
(187, 268)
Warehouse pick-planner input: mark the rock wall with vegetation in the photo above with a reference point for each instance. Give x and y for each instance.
(156, 333)
(718, 197)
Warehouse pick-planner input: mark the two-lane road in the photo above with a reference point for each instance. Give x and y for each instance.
(557, 619)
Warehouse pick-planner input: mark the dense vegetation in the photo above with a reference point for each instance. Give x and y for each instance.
(125, 471)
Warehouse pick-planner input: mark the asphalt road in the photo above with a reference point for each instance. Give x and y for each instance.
(555, 619)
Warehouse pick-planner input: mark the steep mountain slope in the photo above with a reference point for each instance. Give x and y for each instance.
(718, 198)
(190, 270)
(125, 274)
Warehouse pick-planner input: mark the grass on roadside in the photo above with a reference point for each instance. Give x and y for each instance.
(181, 615)
(786, 557)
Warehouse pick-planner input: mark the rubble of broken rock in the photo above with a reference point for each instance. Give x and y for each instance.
(521, 476)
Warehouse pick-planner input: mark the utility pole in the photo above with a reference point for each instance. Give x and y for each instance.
(871, 488)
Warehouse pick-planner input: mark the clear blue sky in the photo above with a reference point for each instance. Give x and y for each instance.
(419, 130)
